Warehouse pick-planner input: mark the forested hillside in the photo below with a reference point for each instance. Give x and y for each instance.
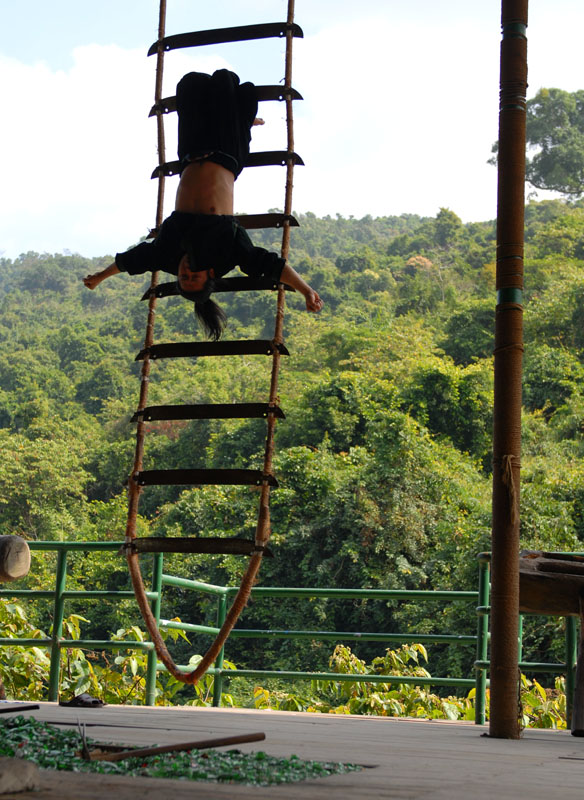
(384, 458)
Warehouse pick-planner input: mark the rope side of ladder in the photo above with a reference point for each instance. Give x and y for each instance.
(133, 486)
(263, 531)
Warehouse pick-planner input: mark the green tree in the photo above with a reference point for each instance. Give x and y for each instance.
(555, 135)
(555, 129)
(551, 377)
(41, 485)
(454, 402)
(470, 331)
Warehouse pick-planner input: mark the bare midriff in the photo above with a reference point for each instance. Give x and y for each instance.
(205, 188)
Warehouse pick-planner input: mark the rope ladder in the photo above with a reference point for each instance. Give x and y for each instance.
(275, 347)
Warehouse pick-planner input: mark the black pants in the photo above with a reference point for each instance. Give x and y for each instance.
(215, 115)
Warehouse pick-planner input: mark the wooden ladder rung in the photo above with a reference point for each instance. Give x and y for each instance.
(196, 349)
(240, 33)
(202, 477)
(209, 411)
(267, 158)
(235, 284)
(168, 104)
(210, 544)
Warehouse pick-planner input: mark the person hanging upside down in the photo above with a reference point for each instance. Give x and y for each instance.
(201, 240)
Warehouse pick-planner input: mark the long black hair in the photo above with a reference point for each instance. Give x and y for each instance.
(211, 316)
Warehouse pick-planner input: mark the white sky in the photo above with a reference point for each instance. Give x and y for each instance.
(399, 115)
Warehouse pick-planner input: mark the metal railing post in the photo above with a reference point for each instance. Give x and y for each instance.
(218, 681)
(155, 604)
(482, 641)
(58, 611)
(572, 641)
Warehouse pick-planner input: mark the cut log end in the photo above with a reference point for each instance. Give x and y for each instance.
(14, 558)
(18, 775)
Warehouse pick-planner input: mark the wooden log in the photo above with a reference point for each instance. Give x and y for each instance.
(18, 775)
(14, 558)
(562, 567)
(578, 706)
(550, 584)
(550, 593)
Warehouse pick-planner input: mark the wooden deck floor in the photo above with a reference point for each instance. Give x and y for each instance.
(406, 759)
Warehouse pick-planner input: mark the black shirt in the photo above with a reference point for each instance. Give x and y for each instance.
(216, 241)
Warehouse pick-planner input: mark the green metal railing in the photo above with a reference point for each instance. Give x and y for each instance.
(479, 600)
(60, 595)
(224, 593)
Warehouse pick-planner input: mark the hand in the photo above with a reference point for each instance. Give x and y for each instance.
(258, 121)
(313, 301)
(291, 278)
(91, 281)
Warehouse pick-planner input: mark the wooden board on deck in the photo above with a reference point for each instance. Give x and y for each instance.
(408, 759)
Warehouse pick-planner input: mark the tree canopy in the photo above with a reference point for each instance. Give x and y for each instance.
(555, 141)
(383, 459)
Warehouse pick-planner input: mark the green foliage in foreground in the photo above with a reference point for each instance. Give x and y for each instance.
(51, 748)
(540, 708)
(121, 679)
(376, 699)
(117, 677)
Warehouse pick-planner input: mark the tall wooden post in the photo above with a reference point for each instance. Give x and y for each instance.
(504, 722)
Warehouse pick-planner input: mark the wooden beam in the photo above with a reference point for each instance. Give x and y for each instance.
(504, 722)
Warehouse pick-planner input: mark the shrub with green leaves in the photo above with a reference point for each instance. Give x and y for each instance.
(117, 677)
(540, 708)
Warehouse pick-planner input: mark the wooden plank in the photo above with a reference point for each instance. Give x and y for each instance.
(209, 411)
(549, 584)
(200, 477)
(252, 222)
(168, 104)
(411, 759)
(201, 349)
(269, 158)
(239, 33)
(196, 544)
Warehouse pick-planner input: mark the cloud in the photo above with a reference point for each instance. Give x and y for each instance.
(400, 118)
(79, 149)
(71, 150)
(397, 117)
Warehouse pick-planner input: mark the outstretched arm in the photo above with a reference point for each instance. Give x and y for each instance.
(293, 279)
(91, 281)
